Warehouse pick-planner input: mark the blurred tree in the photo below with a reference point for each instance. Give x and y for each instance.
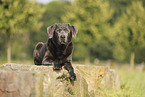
(140, 55)
(103, 50)
(130, 29)
(18, 16)
(80, 52)
(119, 7)
(2, 46)
(92, 19)
(54, 11)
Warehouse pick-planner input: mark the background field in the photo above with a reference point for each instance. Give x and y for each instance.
(132, 84)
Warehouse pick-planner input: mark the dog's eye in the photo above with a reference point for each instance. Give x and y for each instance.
(66, 30)
(58, 30)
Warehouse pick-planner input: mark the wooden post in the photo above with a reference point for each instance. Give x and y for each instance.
(132, 61)
(9, 51)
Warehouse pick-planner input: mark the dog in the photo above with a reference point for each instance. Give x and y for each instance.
(57, 51)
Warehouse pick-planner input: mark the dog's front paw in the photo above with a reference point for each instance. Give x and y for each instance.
(57, 67)
(72, 76)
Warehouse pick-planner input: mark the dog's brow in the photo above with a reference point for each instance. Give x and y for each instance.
(57, 28)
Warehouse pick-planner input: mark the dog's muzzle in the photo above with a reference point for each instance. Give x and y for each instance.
(62, 38)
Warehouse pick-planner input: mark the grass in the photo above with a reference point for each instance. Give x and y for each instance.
(28, 62)
(132, 85)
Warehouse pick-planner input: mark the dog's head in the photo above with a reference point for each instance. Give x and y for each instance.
(62, 33)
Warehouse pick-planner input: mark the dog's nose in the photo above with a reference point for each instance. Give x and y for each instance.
(62, 36)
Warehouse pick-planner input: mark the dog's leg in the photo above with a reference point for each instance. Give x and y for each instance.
(57, 66)
(36, 53)
(69, 68)
(47, 61)
(36, 57)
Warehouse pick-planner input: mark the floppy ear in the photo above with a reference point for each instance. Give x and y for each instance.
(73, 29)
(50, 31)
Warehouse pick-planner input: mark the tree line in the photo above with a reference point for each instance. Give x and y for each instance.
(108, 29)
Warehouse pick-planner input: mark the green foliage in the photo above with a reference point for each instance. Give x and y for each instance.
(119, 7)
(140, 55)
(2, 47)
(130, 27)
(53, 13)
(119, 53)
(91, 17)
(103, 50)
(19, 16)
(79, 52)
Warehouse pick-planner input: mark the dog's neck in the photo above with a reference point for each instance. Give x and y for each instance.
(60, 51)
(56, 47)
(62, 47)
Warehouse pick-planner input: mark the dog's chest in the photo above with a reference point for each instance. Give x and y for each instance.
(59, 55)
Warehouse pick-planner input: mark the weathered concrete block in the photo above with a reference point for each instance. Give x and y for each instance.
(16, 84)
(92, 74)
(111, 80)
(17, 80)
